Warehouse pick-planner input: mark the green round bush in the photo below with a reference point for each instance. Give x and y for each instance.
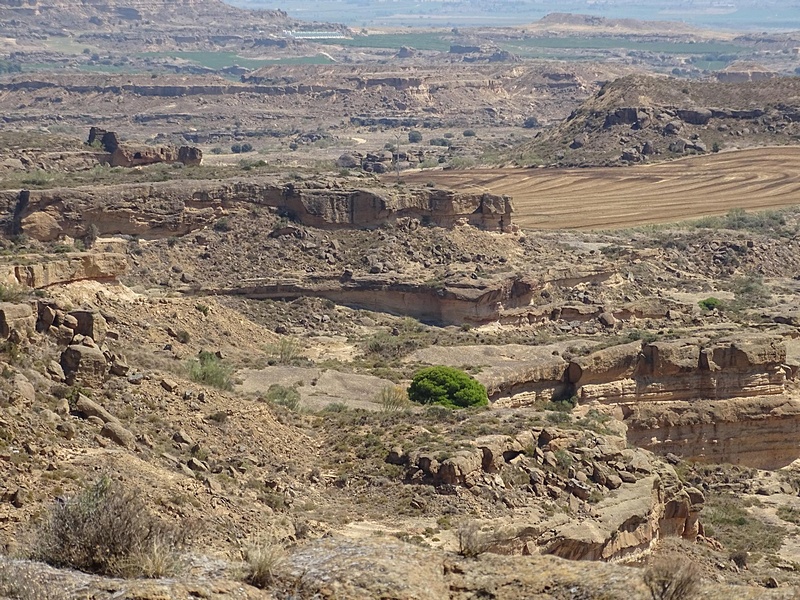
(446, 386)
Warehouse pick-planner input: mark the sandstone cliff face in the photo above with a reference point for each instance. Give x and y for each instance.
(173, 208)
(477, 303)
(754, 432)
(714, 401)
(637, 372)
(632, 520)
(681, 370)
(77, 266)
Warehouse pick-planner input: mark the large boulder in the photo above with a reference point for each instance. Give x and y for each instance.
(700, 116)
(42, 226)
(89, 408)
(91, 324)
(16, 321)
(616, 362)
(114, 431)
(348, 161)
(84, 365)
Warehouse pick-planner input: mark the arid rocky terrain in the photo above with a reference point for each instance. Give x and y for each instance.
(213, 302)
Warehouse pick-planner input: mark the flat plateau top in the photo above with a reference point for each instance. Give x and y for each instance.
(620, 197)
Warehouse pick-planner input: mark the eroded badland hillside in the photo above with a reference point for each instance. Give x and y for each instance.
(231, 240)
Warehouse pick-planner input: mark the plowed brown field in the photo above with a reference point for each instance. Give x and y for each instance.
(607, 198)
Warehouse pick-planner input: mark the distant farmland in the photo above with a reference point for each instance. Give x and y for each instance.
(608, 198)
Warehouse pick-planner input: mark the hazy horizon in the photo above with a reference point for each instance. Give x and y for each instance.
(747, 15)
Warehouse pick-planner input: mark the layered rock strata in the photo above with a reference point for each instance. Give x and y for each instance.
(716, 401)
(175, 208)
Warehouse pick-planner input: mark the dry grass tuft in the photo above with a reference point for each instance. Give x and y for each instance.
(263, 562)
(672, 579)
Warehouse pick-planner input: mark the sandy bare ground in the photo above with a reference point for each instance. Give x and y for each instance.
(609, 198)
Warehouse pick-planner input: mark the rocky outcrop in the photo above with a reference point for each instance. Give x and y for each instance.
(681, 370)
(84, 364)
(527, 381)
(631, 520)
(126, 155)
(476, 302)
(172, 208)
(17, 321)
(39, 272)
(754, 432)
(724, 400)
(636, 498)
(687, 369)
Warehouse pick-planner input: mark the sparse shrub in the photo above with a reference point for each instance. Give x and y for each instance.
(439, 142)
(263, 562)
(789, 513)
(222, 225)
(11, 293)
(220, 417)
(715, 147)
(727, 520)
(672, 579)
(202, 309)
(208, 369)
(448, 387)
(530, 123)
(414, 137)
(217, 150)
(249, 165)
(564, 405)
(711, 303)
(739, 558)
(768, 221)
(283, 396)
(106, 529)
(183, 336)
(448, 136)
(285, 351)
(9, 67)
(750, 291)
(92, 233)
(392, 398)
(645, 336)
(393, 346)
(472, 542)
(37, 178)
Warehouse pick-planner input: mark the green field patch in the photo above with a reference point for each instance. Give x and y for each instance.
(419, 41)
(221, 60)
(711, 65)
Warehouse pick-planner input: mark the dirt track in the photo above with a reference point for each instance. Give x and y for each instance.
(606, 198)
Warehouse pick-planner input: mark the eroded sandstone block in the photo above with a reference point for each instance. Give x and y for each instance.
(84, 365)
(16, 321)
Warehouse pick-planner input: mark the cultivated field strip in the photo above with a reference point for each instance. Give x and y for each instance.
(608, 198)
